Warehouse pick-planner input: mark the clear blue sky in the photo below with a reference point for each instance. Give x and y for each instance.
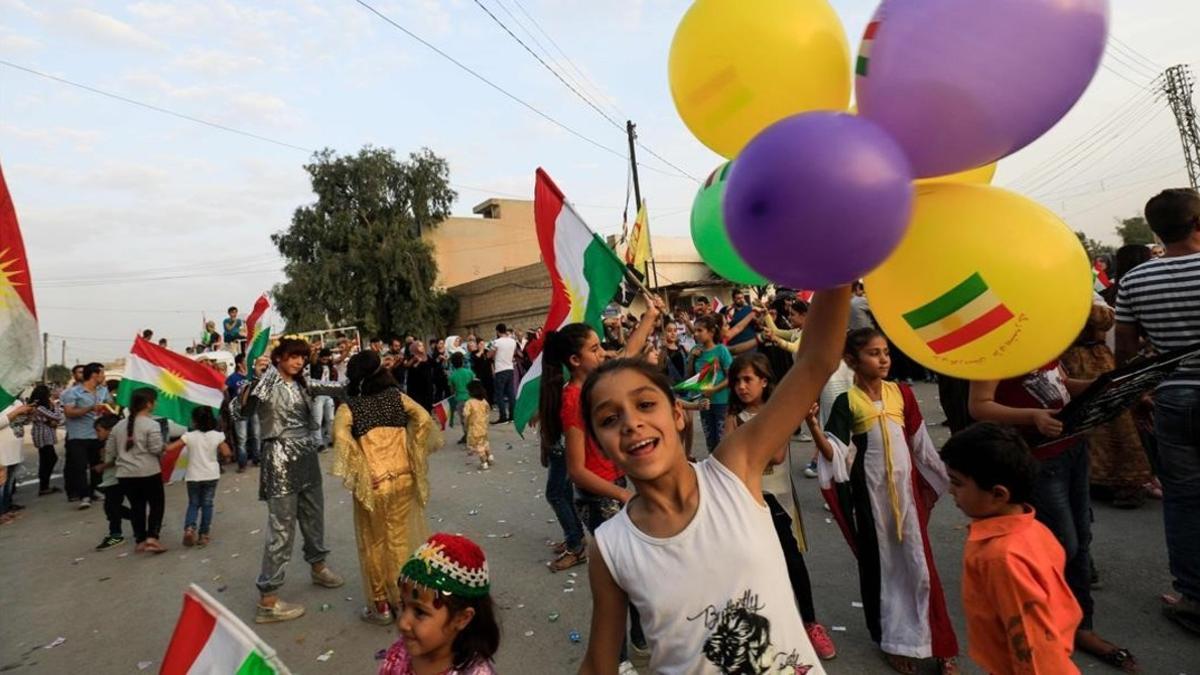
(108, 192)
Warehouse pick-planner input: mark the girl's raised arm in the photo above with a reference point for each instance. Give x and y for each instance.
(748, 451)
(637, 339)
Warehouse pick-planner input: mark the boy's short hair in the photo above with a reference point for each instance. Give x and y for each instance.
(993, 454)
(1174, 214)
(231, 309)
(476, 390)
(456, 360)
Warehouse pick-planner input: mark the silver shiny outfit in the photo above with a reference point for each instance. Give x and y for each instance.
(290, 474)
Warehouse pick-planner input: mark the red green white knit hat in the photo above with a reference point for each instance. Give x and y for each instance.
(449, 563)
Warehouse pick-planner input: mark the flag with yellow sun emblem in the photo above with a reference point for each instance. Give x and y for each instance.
(182, 384)
(20, 353)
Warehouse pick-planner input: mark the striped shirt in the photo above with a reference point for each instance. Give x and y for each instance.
(45, 424)
(1163, 297)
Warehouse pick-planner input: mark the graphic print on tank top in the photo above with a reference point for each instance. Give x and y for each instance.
(739, 641)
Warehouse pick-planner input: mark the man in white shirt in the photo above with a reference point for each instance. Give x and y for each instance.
(503, 351)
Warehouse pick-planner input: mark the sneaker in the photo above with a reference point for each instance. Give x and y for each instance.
(810, 471)
(567, 560)
(484, 466)
(327, 578)
(821, 642)
(85, 504)
(280, 611)
(371, 615)
(109, 542)
(189, 537)
(491, 459)
(204, 540)
(626, 668)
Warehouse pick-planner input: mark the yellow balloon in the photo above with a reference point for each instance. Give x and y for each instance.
(980, 175)
(986, 285)
(737, 67)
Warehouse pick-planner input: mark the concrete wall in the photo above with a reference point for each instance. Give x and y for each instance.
(518, 297)
(502, 238)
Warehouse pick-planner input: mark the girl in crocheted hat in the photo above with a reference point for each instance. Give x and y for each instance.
(446, 618)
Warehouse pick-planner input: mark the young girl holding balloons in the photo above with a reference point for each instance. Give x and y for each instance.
(752, 382)
(880, 473)
(706, 523)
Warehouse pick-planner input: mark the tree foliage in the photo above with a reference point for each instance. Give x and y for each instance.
(57, 373)
(1135, 230)
(356, 255)
(1094, 248)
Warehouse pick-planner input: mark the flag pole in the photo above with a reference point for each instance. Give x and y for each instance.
(631, 132)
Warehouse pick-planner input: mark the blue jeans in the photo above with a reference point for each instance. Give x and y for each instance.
(1176, 462)
(1063, 504)
(713, 423)
(322, 417)
(247, 432)
(504, 393)
(10, 487)
(200, 498)
(560, 493)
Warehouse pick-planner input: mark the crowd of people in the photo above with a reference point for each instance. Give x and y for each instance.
(615, 427)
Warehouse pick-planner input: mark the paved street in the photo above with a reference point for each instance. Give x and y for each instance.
(116, 609)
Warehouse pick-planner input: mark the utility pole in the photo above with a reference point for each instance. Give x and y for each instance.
(45, 359)
(63, 360)
(1177, 84)
(631, 131)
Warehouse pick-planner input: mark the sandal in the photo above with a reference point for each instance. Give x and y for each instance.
(904, 665)
(1120, 658)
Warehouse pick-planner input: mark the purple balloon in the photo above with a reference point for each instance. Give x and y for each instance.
(962, 83)
(817, 200)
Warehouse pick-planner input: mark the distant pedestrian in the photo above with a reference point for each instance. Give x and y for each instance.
(82, 404)
(475, 422)
(502, 352)
(204, 445)
(47, 418)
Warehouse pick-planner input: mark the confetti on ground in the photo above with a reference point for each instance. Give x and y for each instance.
(574, 636)
(856, 605)
(828, 521)
(571, 582)
(520, 606)
(325, 606)
(838, 629)
(122, 555)
(142, 665)
(255, 531)
(326, 656)
(501, 521)
(491, 536)
(204, 561)
(76, 561)
(573, 574)
(506, 535)
(234, 555)
(568, 589)
(473, 512)
(57, 641)
(553, 617)
(221, 589)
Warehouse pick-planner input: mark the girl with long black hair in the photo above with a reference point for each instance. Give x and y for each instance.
(136, 446)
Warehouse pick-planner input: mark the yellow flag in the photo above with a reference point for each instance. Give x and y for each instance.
(638, 253)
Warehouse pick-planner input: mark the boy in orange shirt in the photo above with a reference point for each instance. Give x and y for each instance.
(1021, 615)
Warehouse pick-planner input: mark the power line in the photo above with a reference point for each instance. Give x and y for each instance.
(1128, 48)
(1116, 72)
(155, 108)
(575, 91)
(511, 96)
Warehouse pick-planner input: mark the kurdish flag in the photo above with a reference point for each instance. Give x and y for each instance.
(709, 376)
(258, 347)
(442, 410)
(863, 65)
(959, 316)
(209, 639)
(20, 344)
(260, 308)
(585, 274)
(182, 384)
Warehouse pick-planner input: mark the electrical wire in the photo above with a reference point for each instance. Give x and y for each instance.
(578, 94)
(1128, 48)
(506, 93)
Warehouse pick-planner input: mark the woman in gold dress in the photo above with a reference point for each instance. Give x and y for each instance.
(381, 440)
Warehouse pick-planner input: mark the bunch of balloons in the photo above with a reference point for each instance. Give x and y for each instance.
(818, 194)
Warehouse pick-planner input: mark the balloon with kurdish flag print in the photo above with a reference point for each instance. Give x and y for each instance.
(986, 285)
(710, 236)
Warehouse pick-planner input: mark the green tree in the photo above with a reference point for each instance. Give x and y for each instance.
(1135, 230)
(58, 374)
(356, 255)
(1094, 248)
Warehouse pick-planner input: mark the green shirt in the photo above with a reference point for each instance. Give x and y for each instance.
(720, 354)
(459, 379)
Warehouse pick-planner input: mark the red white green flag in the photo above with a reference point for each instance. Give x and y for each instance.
(20, 348)
(442, 410)
(585, 274)
(182, 384)
(209, 639)
(260, 308)
(959, 316)
(709, 376)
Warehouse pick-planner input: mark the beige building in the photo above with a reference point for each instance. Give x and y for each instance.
(502, 238)
(492, 265)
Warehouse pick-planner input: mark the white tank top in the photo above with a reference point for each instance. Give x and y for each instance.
(716, 597)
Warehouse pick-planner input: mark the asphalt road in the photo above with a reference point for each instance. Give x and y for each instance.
(115, 610)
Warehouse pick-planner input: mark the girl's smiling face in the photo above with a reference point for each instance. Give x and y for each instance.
(636, 425)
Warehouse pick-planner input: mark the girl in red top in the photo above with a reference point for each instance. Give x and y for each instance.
(600, 487)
